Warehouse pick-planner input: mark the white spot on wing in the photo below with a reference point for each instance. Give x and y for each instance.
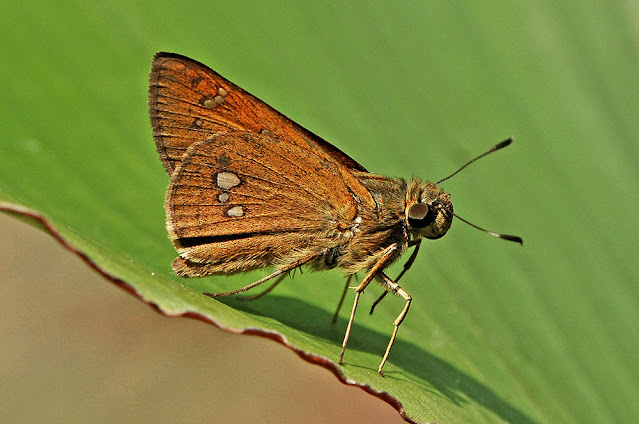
(235, 211)
(227, 180)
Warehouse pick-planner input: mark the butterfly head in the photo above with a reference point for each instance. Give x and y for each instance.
(430, 212)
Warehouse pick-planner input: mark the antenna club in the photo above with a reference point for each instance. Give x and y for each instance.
(503, 144)
(516, 239)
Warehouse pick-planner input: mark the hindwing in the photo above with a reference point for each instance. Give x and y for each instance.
(239, 201)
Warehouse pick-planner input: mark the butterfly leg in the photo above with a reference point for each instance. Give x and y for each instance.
(392, 287)
(284, 270)
(407, 266)
(379, 265)
(341, 299)
(268, 290)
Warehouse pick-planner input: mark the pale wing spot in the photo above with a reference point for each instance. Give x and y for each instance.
(222, 92)
(198, 122)
(235, 211)
(227, 180)
(267, 133)
(219, 100)
(209, 103)
(223, 198)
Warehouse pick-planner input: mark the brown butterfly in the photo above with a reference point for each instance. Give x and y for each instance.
(250, 188)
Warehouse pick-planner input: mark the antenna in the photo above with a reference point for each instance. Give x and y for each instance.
(516, 239)
(496, 147)
(492, 149)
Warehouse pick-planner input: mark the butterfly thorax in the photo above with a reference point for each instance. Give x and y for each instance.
(378, 223)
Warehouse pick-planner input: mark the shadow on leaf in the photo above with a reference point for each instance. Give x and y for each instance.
(443, 378)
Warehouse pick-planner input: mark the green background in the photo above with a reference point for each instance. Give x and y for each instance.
(496, 333)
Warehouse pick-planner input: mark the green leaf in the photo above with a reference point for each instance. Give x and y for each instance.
(496, 333)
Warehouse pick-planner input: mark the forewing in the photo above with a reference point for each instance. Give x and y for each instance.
(189, 102)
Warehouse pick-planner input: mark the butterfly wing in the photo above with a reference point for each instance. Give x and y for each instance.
(189, 102)
(239, 201)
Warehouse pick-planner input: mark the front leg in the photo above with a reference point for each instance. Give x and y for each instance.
(407, 266)
(385, 255)
(393, 287)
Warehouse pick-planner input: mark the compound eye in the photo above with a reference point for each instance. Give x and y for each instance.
(420, 215)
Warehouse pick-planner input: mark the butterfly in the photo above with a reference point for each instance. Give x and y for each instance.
(250, 188)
